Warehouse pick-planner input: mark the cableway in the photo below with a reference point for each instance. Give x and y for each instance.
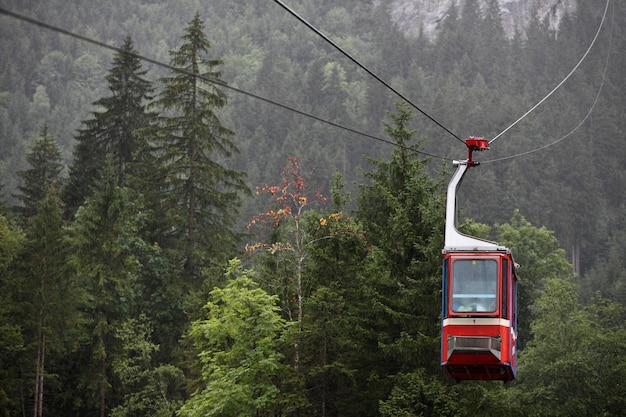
(92, 41)
(367, 70)
(559, 85)
(363, 67)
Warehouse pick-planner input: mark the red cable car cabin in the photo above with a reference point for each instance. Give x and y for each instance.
(479, 319)
(479, 292)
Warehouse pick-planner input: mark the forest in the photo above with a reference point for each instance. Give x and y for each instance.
(208, 210)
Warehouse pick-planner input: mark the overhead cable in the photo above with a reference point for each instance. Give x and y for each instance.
(364, 68)
(564, 79)
(213, 81)
(593, 105)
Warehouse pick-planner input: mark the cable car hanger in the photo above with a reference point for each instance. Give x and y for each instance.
(455, 240)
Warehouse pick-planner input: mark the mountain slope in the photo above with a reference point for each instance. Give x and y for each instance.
(411, 16)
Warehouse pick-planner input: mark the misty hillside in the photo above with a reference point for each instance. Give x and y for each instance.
(208, 209)
(471, 78)
(426, 16)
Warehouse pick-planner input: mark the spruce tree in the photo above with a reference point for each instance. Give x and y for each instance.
(46, 167)
(104, 239)
(12, 314)
(114, 129)
(53, 294)
(200, 194)
(401, 211)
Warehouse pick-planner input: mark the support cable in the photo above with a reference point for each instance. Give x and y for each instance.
(364, 68)
(564, 79)
(593, 105)
(212, 81)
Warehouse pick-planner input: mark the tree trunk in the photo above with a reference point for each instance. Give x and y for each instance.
(41, 355)
(576, 258)
(103, 381)
(300, 299)
(39, 372)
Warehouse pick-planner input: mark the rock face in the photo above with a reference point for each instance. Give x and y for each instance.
(411, 16)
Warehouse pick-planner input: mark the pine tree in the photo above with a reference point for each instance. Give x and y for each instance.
(149, 389)
(201, 194)
(55, 301)
(46, 167)
(112, 130)
(402, 213)
(103, 238)
(336, 342)
(12, 314)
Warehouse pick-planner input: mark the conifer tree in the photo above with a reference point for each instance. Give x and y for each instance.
(114, 129)
(402, 212)
(104, 237)
(12, 342)
(55, 301)
(149, 389)
(201, 194)
(45, 168)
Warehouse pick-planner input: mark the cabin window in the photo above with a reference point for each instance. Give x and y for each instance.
(506, 272)
(444, 292)
(474, 285)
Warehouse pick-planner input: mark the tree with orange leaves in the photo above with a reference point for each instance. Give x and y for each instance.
(305, 251)
(289, 202)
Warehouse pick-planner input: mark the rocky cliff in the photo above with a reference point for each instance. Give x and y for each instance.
(411, 16)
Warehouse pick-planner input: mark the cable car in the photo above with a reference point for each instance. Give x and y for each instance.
(479, 294)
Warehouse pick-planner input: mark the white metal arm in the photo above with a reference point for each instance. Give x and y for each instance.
(454, 240)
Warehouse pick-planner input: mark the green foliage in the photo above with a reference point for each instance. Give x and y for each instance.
(334, 333)
(575, 362)
(312, 263)
(149, 390)
(45, 168)
(103, 235)
(402, 213)
(12, 341)
(200, 193)
(369, 283)
(103, 238)
(10, 243)
(112, 128)
(56, 304)
(418, 394)
(237, 349)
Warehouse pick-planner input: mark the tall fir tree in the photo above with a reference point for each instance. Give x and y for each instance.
(114, 129)
(46, 166)
(401, 210)
(104, 238)
(336, 341)
(201, 195)
(55, 297)
(12, 318)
